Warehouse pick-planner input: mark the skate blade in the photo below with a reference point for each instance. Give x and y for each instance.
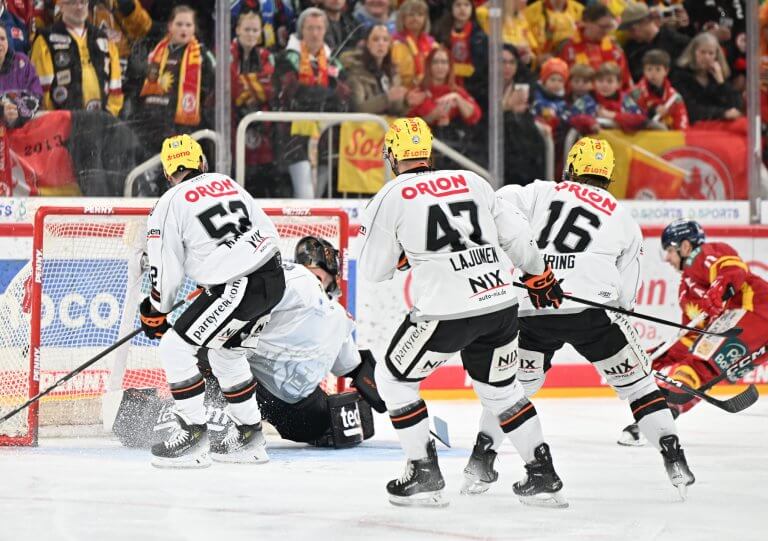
(201, 460)
(629, 440)
(424, 499)
(553, 500)
(253, 455)
(472, 487)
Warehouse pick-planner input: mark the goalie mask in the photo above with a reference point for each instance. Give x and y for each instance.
(319, 253)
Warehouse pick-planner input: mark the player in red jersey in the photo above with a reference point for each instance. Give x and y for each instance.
(717, 290)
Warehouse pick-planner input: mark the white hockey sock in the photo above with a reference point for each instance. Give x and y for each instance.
(246, 413)
(527, 437)
(489, 425)
(192, 409)
(657, 425)
(412, 426)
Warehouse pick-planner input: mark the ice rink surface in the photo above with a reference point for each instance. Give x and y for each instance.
(94, 489)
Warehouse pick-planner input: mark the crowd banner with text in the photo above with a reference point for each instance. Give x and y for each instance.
(695, 164)
(361, 168)
(36, 158)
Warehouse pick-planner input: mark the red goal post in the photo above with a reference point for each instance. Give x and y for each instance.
(80, 293)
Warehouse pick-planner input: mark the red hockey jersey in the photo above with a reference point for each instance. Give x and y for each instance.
(719, 260)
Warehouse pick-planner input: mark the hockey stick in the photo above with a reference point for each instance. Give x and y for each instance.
(735, 331)
(663, 347)
(66, 377)
(735, 367)
(734, 404)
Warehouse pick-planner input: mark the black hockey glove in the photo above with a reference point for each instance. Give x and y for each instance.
(153, 323)
(362, 380)
(543, 289)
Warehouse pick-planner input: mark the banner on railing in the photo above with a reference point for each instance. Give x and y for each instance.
(694, 164)
(361, 169)
(36, 158)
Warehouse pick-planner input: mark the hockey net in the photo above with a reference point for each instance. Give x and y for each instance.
(80, 293)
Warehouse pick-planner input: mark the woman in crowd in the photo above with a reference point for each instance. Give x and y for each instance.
(176, 93)
(460, 33)
(447, 107)
(524, 149)
(372, 77)
(20, 90)
(251, 71)
(413, 41)
(703, 83)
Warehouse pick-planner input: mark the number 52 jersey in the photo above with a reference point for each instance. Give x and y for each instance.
(208, 228)
(589, 239)
(458, 236)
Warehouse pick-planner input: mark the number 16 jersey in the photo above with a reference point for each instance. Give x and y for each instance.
(209, 228)
(589, 239)
(458, 236)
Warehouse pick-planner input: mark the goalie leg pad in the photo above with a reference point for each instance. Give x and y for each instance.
(136, 416)
(304, 421)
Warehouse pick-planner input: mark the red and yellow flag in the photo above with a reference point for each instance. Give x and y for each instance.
(361, 167)
(690, 164)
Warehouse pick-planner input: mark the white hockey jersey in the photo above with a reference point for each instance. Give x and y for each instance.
(209, 229)
(459, 238)
(589, 239)
(308, 335)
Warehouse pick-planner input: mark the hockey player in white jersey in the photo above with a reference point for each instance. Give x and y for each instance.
(458, 238)
(310, 335)
(208, 228)
(593, 243)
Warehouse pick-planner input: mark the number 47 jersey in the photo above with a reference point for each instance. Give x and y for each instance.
(208, 228)
(459, 238)
(589, 239)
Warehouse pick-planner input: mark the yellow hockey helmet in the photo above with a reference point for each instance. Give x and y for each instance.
(182, 152)
(408, 139)
(590, 157)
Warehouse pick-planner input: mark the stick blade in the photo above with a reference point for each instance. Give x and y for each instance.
(441, 431)
(735, 331)
(737, 403)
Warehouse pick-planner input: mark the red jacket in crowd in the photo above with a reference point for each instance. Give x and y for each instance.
(430, 102)
(579, 51)
(649, 98)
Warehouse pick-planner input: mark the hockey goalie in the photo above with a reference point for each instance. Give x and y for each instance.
(309, 334)
(718, 291)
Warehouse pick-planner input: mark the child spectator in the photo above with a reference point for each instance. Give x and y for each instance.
(20, 89)
(413, 41)
(582, 99)
(655, 95)
(581, 81)
(613, 104)
(549, 103)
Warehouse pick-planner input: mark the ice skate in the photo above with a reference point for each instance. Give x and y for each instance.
(631, 436)
(541, 486)
(186, 447)
(421, 485)
(242, 444)
(479, 473)
(677, 467)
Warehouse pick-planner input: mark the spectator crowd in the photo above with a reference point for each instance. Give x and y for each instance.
(566, 64)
